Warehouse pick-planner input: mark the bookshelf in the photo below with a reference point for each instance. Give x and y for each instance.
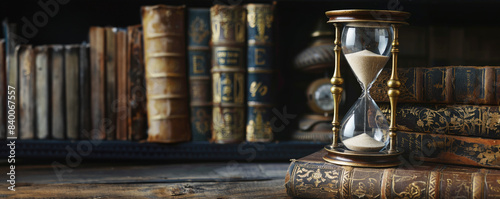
(473, 26)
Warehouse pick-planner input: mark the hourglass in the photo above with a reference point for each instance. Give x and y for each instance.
(368, 39)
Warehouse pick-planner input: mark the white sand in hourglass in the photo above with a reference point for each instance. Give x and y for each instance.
(366, 65)
(363, 142)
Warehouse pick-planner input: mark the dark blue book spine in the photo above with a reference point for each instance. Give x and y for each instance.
(199, 72)
(260, 71)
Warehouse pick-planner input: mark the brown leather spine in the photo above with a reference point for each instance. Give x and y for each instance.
(72, 101)
(121, 70)
(164, 51)
(110, 57)
(26, 92)
(228, 73)
(42, 92)
(97, 37)
(137, 115)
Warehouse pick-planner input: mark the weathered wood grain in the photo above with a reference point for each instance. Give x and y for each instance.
(26, 91)
(120, 106)
(58, 124)
(42, 92)
(72, 101)
(97, 39)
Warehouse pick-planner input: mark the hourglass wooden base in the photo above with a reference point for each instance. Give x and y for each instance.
(342, 156)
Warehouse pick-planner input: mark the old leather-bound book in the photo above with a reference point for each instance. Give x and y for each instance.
(71, 56)
(136, 113)
(3, 91)
(120, 106)
(12, 70)
(97, 38)
(228, 73)
(199, 72)
(56, 60)
(260, 72)
(26, 60)
(312, 177)
(167, 94)
(42, 92)
(84, 94)
(110, 54)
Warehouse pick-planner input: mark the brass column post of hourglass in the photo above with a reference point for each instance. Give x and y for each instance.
(338, 153)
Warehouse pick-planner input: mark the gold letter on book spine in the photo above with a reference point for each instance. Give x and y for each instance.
(164, 49)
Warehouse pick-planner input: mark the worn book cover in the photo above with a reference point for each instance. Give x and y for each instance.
(120, 106)
(26, 91)
(12, 70)
(228, 73)
(84, 95)
(97, 38)
(259, 88)
(58, 107)
(199, 73)
(71, 62)
(166, 73)
(42, 92)
(311, 177)
(110, 56)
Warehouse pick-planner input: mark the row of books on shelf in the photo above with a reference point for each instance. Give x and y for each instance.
(149, 81)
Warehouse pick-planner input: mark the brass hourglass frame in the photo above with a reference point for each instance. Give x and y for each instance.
(336, 152)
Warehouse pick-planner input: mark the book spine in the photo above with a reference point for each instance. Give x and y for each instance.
(137, 116)
(84, 94)
(12, 78)
(56, 60)
(497, 85)
(26, 91)
(120, 106)
(473, 85)
(464, 120)
(260, 71)
(110, 56)
(42, 92)
(97, 37)
(411, 85)
(199, 72)
(71, 84)
(167, 94)
(324, 180)
(449, 149)
(3, 91)
(228, 73)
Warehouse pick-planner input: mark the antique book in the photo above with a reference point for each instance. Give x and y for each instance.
(165, 57)
(199, 72)
(58, 118)
(259, 89)
(71, 71)
(42, 92)
(497, 85)
(451, 149)
(12, 70)
(84, 93)
(110, 56)
(3, 91)
(97, 39)
(136, 85)
(312, 177)
(464, 120)
(120, 106)
(26, 91)
(228, 73)
(447, 85)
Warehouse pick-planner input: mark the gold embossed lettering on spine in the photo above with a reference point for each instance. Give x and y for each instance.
(260, 71)
(228, 73)
(164, 51)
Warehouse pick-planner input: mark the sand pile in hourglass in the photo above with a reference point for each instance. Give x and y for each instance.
(366, 65)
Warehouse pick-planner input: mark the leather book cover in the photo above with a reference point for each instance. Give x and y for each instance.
(26, 91)
(97, 38)
(260, 68)
(84, 95)
(228, 73)
(199, 73)
(311, 177)
(411, 85)
(12, 75)
(71, 62)
(120, 106)
(137, 115)
(42, 92)
(166, 73)
(58, 118)
(3, 91)
(110, 56)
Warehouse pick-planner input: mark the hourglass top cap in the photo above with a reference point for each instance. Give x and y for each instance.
(360, 15)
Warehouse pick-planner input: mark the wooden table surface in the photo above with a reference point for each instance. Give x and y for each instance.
(125, 180)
